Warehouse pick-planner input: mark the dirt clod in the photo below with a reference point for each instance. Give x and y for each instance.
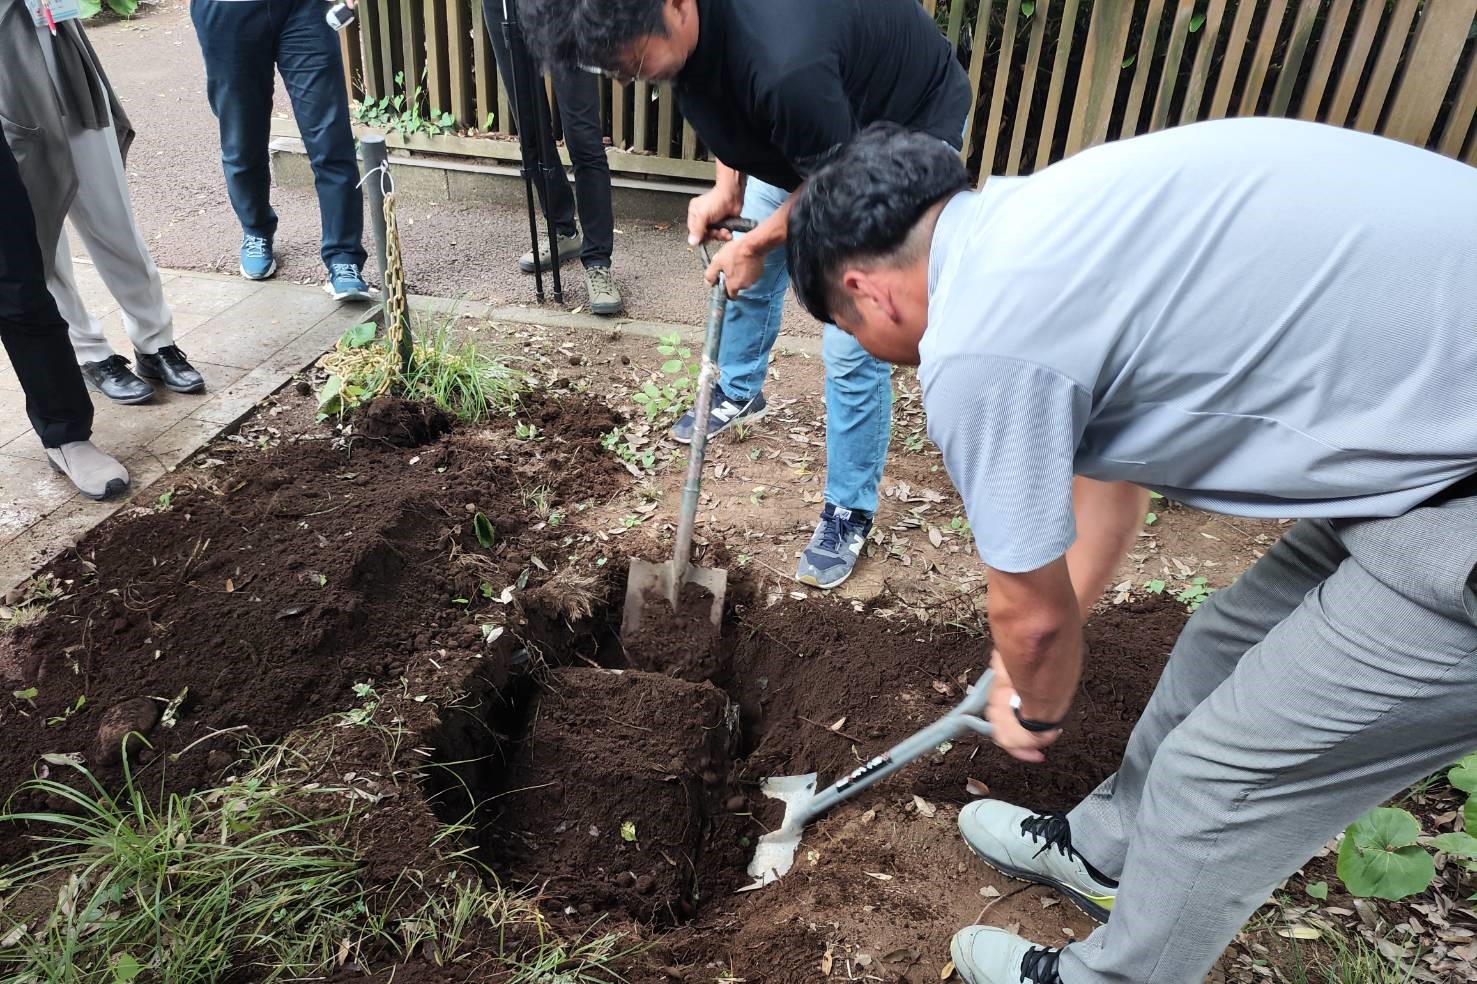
(127, 724)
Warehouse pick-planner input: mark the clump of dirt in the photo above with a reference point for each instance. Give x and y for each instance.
(611, 789)
(682, 643)
(401, 422)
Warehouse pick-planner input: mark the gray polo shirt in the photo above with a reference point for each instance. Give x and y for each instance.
(1258, 317)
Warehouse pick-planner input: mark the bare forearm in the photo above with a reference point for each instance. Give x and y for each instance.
(1037, 631)
(1109, 517)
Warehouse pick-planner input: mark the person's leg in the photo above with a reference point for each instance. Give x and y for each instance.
(858, 421)
(1082, 854)
(85, 331)
(1366, 687)
(559, 204)
(751, 322)
(579, 113)
(311, 63)
(102, 214)
(237, 42)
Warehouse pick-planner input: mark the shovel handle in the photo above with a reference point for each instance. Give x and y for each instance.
(964, 718)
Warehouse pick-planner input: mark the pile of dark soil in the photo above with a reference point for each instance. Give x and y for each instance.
(618, 778)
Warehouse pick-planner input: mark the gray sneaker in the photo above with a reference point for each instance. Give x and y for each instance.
(834, 548)
(986, 955)
(569, 248)
(1036, 847)
(96, 475)
(605, 297)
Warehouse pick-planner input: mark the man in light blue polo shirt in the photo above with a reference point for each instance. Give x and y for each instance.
(1257, 317)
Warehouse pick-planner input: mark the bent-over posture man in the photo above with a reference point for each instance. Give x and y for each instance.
(1257, 317)
(774, 88)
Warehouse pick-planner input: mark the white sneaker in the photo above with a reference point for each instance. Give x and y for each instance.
(1036, 847)
(986, 955)
(96, 475)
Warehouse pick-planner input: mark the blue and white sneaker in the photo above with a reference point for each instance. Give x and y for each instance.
(345, 283)
(257, 261)
(834, 547)
(723, 414)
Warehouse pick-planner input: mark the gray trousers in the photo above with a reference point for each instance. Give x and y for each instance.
(1337, 671)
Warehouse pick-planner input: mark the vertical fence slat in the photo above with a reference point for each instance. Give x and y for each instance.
(458, 42)
(1373, 104)
(413, 42)
(1292, 61)
(664, 121)
(689, 142)
(1179, 36)
(1326, 58)
(1064, 39)
(1360, 49)
(1430, 66)
(1220, 103)
(1261, 58)
(1102, 64)
(618, 97)
(1014, 164)
(1143, 62)
(977, 67)
(438, 80)
(1463, 118)
(1210, 30)
(639, 117)
(484, 73)
(997, 90)
(386, 47)
(956, 22)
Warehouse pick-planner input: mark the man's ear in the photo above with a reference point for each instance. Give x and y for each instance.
(867, 290)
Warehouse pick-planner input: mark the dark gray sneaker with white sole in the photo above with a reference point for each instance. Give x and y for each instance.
(725, 413)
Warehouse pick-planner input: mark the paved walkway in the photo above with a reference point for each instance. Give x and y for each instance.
(246, 338)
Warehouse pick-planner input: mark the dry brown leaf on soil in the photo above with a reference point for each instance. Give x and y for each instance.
(947, 971)
(926, 808)
(827, 962)
(840, 723)
(976, 788)
(877, 875)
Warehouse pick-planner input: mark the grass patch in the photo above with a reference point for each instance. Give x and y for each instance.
(445, 369)
(1344, 959)
(258, 878)
(29, 602)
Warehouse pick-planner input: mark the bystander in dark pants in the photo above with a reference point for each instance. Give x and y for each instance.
(243, 41)
(578, 95)
(33, 331)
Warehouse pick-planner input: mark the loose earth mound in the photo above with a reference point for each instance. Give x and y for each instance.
(355, 572)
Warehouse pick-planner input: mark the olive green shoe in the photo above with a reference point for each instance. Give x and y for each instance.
(569, 248)
(605, 297)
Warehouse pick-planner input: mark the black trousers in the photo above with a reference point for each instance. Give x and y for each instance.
(34, 334)
(579, 110)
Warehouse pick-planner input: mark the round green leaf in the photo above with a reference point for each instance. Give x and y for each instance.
(1318, 890)
(1470, 813)
(1459, 845)
(672, 366)
(1464, 775)
(1379, 857)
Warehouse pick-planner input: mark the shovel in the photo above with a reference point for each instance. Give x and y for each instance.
(775, 854)
(666, 580)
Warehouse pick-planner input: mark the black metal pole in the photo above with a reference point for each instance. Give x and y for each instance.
(534, 126)
(511, 34)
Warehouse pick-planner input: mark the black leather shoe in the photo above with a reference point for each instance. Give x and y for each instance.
(112, 378)
(170, 367)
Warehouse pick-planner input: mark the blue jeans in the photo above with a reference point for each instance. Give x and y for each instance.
(243, 42)
(858, 387)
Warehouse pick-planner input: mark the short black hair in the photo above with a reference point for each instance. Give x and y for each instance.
(588, 33)
(863, 204)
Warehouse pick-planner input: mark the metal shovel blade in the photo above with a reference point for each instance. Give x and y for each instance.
(649, 583)
(775, 853)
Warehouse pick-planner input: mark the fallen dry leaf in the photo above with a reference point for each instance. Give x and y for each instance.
(840, 723)
(827, 962)
(947, 971)
(924, 807)
(976, 788)
(877, 875)
(230, 585)
(1300, 933)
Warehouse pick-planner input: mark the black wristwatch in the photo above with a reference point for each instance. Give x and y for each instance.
(1038, 727)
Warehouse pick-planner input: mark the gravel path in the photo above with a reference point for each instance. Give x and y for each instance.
(450, 249)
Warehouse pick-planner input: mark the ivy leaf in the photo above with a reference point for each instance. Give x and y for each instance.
(1379, 857)
(126, 968)
(1464, 775)
(331, 397)
(1318, 890)
(359, 336)
(1459, 845)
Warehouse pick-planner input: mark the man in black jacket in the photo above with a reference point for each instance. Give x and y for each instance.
(774, 88)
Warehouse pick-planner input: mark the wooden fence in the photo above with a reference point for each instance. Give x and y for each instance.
(1050, 76)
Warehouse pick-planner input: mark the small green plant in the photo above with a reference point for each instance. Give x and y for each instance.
(165, 501)
(363, 714)
(454, 375)
(628, 831)
(1155, 587)
(916, 441)
(67, 714)
(482, 527)
(615, 441)
(1195, 593)
(537, 499)
(666, 392)
(525, 432)
(960, 526)
(404, 112)
(1384, 856)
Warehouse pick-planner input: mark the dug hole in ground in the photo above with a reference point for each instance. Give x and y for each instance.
(418, 624)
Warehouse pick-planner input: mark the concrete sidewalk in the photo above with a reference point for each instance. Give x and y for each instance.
(246, 338)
